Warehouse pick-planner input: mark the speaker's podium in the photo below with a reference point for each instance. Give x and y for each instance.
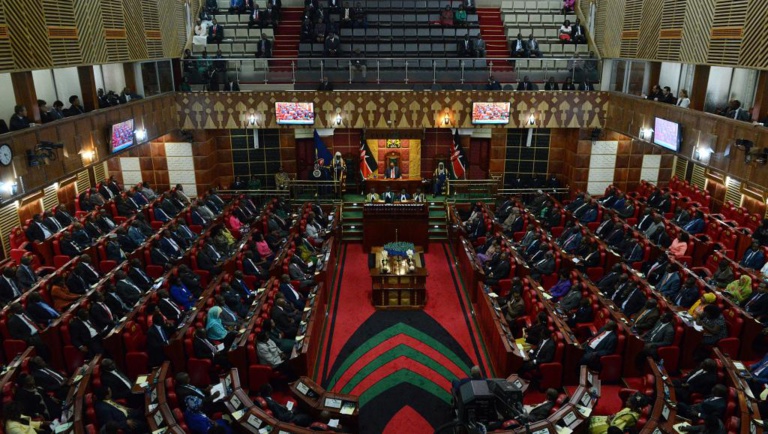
(406, 221)
(487, 401)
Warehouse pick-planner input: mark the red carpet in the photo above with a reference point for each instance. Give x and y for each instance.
(400, 363)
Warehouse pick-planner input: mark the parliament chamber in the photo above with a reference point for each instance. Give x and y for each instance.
(385, 216)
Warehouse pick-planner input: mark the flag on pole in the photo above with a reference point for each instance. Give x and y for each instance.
(368, 163)
(321, 152)
(458, 158)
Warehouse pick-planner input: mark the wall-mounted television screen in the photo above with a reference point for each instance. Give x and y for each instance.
(121, 136)
(295, 113)
(490, 113)
(666, 134)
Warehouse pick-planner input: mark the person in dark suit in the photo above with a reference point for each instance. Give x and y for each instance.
(203, 348)
(332, 46)
(669, 284)
(325, 85)
(37, 231)
(75, 284)
(714, 405)
(700, 380)
(757, 305)
(68, 246)
(541, 411)
(22, 327)
(100, 313)
(9, 288)
(51, 223)
(104, 220)
(543, 352)
(291, 294)
(586, 85)
(499, 272)
(19, 120)
(283, 319)
(393, 172)
(108, 411)
(47, 378)
(753, 257)
(34, 401)
(157, 256)
(85, 335)
(171, 310)
(112, 299)
(128, 291)
(264, 48)
(86, 270)
(40, 311)
(169, 246)
(63, 215)
(662, 334)
(544, 266)
(158, 336)
(689, 293)
(138, 276)
(518, 47)
(215, 33)
(602, 344)
(465, 47)
(534, 49)
(118, 382)
(526, 84)
(646, 318)
(551, 84)
(583, 314)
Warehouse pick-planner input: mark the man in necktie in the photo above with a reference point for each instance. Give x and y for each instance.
(37, 231)
(661, 335)
(757, 305)
(157, 339)
(107, 410)
(602, 344)
(393, 172)
(118, 383)
(48, 379)
(39, 310)
(22, 327)
(753, 257)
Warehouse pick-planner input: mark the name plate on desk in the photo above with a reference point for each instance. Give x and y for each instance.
(586, 399)
(570, 418)
(158, 416)
(333, 403)
(303, 388)
(542, 431)
(235, 402)
(255, 421)
(665, 412)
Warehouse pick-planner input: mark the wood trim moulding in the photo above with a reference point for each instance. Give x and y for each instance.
(630, 34)
(153, 35)
(671, 34)
(68, 180)
(31, 197)
(114, 33)
(59, 32)
(4, 31)
(731, 32)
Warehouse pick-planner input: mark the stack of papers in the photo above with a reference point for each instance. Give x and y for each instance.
(348, 408)
(218, 388)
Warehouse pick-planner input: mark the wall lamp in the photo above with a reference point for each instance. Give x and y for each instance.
(141, 135)
(252, 120)
(532, 119)
(338, 119)
(701, 153)
(646, 133)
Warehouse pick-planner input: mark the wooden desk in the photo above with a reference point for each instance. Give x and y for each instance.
(399, 291)
(313, 397)
(381, 184)
(384, 223)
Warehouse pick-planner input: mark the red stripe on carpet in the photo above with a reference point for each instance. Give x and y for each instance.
(399, 363)
(387, 345)
(407, 420)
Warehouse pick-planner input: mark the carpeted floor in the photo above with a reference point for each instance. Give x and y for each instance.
(400, 363)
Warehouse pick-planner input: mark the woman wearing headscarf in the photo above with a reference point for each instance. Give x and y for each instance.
(626, 418)
(441, 174)
(197, 421)
(698, 308)
(740, 289)
(216, 330)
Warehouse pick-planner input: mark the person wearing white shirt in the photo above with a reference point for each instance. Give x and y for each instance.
(269, 353)
(682, 99)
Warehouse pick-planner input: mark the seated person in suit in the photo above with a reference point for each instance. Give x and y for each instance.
(518, 47)
(539, 411)
(715, 405)
(583, 314)
(21, 327)
(500, 271)
(47, 378)
(68, 245)
(753, 257)
(85, 335)
(543, 352)
(180, 294)
(757, 305)
(281, 412)
(291, 294)
(107, 410)
(158, 337)
(388, 196)
(100, 313)
(699, 380)
(34, 401)
(40, 311)
(204, 348)
(184, 389)
(26, 277)
(393, 172)
(602, 344)
(118, 382)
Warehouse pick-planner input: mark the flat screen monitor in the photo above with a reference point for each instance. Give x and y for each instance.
(295, 113)
(666, 134)
(122, 136)
(490, 113)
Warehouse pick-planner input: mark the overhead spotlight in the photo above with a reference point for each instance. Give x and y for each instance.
(447, 120)
(532, 119)
(338, 119)
(252, 120)
(141, 135)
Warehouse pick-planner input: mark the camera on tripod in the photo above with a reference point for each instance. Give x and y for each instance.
(44, 153)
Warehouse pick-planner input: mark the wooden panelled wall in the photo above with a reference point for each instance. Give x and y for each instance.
(376, 109)
(43, 34)
(89, 132)
(716, 32)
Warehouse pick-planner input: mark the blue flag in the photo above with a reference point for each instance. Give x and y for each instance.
(321, 151)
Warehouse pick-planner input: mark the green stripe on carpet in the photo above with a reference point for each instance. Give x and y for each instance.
(398, 351)
(404, 376)
(387, 334)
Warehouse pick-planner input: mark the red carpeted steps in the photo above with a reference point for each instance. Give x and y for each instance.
(287, 35)
(492, 30)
